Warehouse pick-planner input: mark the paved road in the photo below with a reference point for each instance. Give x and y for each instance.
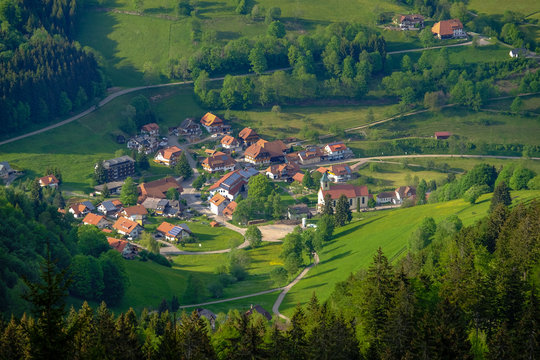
(279, 300)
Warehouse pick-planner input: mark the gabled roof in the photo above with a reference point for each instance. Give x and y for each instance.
(385, 195)
(310, 153)
(109, 206)
(158, 188)
(78, 208)
(337, 146)
(411, 17)
(260, 310)
(48, 180)
(217, 199)
(125, 225)
(150, 127)
(89, 205)
(230, 208)
(256, 151)
(189, 123)
(170, 152)
(340, 169)
(117, 203)
(442, 133)
(135, 210)
(247, 133)
(275, 148)
(298, 177)
(210, 119)
(93, 219)
(350, 191)
(117, 244)
(404, 191)
(229, 140)
(446, 27)
(219, 160)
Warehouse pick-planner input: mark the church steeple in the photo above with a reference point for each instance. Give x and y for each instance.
(325, 183)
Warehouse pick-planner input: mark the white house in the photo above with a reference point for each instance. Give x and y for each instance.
(174, 232)
(127, 227)
(357, 196)
(217, 203)
(50, 181)
(337, 151)
(96, 220)
(385, 198)
(168, 156)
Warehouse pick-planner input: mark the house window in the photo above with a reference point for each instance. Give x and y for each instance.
(350, 202)
(334, 203)
(363, 200)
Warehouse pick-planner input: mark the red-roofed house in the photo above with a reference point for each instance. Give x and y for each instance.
(217, 203)
(168, 156)
(212, 123)
(282, 171)
(49, 180)
(440, 135)
(150, 129)
(218, 162)
(128, 250)
(448, 29)
(96, 220)
(339, 173)
(135, 213)
(337, 151)
(410, 21)
(256, 154)
(127, 227)
(174, 232)
(79, 210)
(298, 177)
(230, 143)
(158, 189)
(357, 196)
(248, 136)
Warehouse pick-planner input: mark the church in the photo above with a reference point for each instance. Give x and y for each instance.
(358, 196)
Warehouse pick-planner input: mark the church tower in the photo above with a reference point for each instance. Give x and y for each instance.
(325, 183)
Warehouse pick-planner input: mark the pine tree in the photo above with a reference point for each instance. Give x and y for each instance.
(307, 181)
(128, 194)
(105, 192)
(163, 307)
(328, 209)
(36, 193)
(58, 200)
(194, 339)
(182, 167)
(175, 304)
(501, 195)
(99, 174)
(343, 212)
(297, 344)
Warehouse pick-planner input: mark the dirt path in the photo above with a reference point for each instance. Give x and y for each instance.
(279, 300)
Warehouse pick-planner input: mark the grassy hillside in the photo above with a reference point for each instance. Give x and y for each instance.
(525, 7)
(354, 244)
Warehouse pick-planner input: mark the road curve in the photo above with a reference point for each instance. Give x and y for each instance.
(279, 300)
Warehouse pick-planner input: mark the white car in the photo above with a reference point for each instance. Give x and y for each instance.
(314, 226)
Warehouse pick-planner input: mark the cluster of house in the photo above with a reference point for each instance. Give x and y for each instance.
(224, 191)
(148, 141)
(401, 194)
(445, 29)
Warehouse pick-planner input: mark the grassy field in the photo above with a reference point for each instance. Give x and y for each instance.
(355, 244)
(500, 6)
(76, 147)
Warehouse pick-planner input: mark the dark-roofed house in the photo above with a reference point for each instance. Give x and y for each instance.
(119, 168)
(385, 197)
(412, 21)
(298, 211)
(402, 193)
(311, 155)
(282, 171)
(248, 136)
(260, 310)
(107, 207)
(189, 127)
(357, 196)
(158, 188)
(233, 183)
(218, 162)
(5, 169)
(174, 233)
(449, 29)
(208, 315)
(89, 205)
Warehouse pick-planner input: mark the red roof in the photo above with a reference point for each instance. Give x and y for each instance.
(170, 152)
(210, 119)
(125, 225)
(442, 133)
(350, 191)
(337, 147)
(93, 219)
(135, 210)
(217, 199)
(446, 27)
(229, 209)
(298, 177)
(117, 244)
(223, 178)
(48, 180)
(165, 227)
(229, 140)
(78, 208)
(247, 133)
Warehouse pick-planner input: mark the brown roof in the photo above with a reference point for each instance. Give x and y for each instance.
(350, 191)
(229, 140)
(280, 169)
(171, 152)
(217, 199)
(403, 191)
(150, 127)
(214, 224)
(446, 27)
(210, 119)
(117, 244)
(219, 159)
(247, 133)
(49, 179)
(275, 148)
(78, 208)
(125, 225)
(135, 210)
(298, 177)
(165, 227)
(116, 202)
(158, 188)
(322, 169)
(93, 219)
(229, 209)
(412, 17)
(442, 133)
(256, 151)
(340, 169)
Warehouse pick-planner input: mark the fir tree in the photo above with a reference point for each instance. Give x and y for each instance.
(307, 181)
(343, 212)
(99, 174)
(501, 195)
(328, 209)
(36, 193)
(128, 194)
(182, 167)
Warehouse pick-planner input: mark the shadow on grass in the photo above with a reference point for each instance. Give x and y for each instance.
(316, 286)
(336, 257)
(321, 273)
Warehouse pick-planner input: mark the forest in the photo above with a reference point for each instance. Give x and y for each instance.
(470, 293)
(43, 72)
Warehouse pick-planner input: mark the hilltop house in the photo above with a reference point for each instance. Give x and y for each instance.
(406, 22)
(50, 181)
(158, 188)
(168, 156)
(119, 168)
(357, 196)
(127, 227)
(218, 162)
(248, 136)
(217, 204)
(212, 123)
(449, 29)
(96, 220)
(174, 233)
(230, 143)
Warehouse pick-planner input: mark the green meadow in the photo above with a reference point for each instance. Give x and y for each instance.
(354, 245)
(525, 7)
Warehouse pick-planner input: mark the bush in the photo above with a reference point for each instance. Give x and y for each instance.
(159, 259)
(215, 289)
(238, 272)
(279, 275)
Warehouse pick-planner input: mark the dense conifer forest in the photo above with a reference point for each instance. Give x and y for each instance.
(43, 73)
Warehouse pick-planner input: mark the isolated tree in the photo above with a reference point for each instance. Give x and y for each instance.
(276, 29)
(182, 167)
(327, 207)
(325, 227)
(516, 105)
(307, 181)
(128, 194)
(343, 212)
(254, 236)
(501, 195)
(99, 174)
(36, 193)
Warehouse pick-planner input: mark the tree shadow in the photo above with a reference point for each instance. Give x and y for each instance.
(336, 257)
(320, 273)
